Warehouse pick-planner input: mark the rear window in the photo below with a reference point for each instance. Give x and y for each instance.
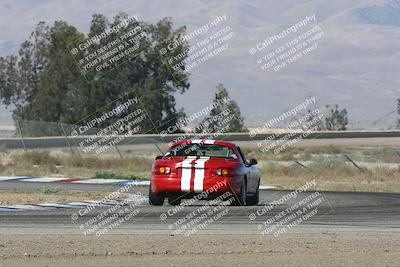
(202, 150)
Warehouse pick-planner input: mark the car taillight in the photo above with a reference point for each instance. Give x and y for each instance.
(222, 172)
(163, 170)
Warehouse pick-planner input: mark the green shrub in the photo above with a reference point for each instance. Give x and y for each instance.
(50, 190)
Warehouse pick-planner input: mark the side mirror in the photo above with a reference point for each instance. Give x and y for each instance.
(253, 161)
(159, 157)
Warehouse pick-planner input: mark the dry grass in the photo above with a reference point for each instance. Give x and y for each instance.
(40, 162)
(330, 170)
(332, 176)
(307, 153)
(328, 165)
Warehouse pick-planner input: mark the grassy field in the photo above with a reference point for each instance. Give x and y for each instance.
(77, 165)
(333, 168)
(375, 168)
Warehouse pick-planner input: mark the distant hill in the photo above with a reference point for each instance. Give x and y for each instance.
(356, 66)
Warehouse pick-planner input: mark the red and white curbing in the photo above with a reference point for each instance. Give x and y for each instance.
(72, 205)
(269, 187)
(48, 179)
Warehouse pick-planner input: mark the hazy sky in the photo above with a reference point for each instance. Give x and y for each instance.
(356, 63)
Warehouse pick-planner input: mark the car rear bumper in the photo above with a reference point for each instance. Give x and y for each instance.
(213, 184)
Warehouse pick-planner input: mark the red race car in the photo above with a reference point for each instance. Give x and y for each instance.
(192, 167)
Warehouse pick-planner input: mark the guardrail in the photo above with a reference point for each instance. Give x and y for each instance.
(73, 141)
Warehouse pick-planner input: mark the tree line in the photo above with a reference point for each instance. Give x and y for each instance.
(44, 83)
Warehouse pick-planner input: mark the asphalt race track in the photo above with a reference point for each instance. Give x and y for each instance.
(336, 212)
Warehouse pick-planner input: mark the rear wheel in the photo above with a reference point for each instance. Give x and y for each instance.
(156, 199)
(254, 199)
(240, 199)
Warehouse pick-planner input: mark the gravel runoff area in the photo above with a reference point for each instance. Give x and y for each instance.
(22, 198)
(323, 249)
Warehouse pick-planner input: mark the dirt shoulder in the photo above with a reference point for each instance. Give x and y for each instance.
(350, 249)
(53, 196)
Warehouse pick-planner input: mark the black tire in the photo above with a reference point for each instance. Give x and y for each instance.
(255, 198)
(240, 200)
(156, 199)
(174, 200)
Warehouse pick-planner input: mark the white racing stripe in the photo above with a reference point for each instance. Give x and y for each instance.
(199, 141)
(199, 173)
(186, 173)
